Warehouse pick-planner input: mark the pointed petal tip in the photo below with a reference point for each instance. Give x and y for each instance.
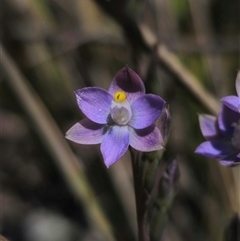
(198, 150)
(128, 81)
(108, 161)
(232, 102)
(85, 132)
(208, 126)
(203, 149)
(107, 166)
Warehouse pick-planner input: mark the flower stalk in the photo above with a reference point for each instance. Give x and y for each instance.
(122, 117)
(141, 197)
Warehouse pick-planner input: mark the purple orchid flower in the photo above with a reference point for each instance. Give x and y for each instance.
(122, 116)
(223, 137)
(233, 102)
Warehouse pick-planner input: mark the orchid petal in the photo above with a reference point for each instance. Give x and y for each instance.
(238, 83)
(225, 120)
(128, 81)
(115, 143)
(145, 110)
(148, 139)
(229, 163)
(95, 103)
(208, 126)
(215, 149)
(86, 132)
(232, 102)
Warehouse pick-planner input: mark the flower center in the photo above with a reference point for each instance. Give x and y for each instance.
(120, 96)
(236, 135)
(121, 112)
(120, 115)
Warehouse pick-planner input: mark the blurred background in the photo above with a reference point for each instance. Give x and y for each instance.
(53, 190)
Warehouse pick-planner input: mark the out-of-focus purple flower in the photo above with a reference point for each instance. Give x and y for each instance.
(223, 136)
(122, 116)
(232, 101)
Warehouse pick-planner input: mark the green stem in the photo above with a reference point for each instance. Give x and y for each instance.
(141, 198)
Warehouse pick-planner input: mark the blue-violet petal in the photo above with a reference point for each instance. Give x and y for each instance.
(208, 126)
(227, 117)
(230, 161)
(215, 149)
(86, 132)
(145, 110)
(115, 143)
(232, 102)
(95, 103)
(148, 139)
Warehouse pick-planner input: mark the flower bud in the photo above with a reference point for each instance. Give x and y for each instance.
(169, 179)
(164, 124)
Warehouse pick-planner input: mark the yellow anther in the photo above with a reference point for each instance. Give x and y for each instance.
(120, 96)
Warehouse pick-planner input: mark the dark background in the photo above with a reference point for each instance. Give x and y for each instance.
(59, 46)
